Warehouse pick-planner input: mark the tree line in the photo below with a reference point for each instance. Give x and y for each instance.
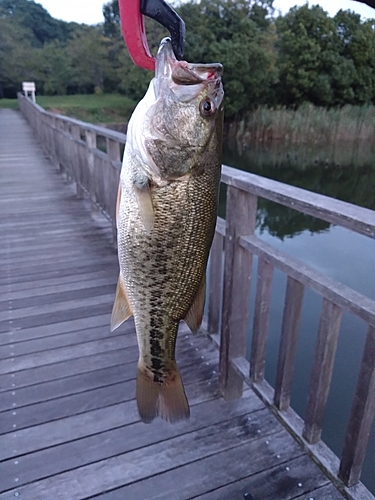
(302, 56)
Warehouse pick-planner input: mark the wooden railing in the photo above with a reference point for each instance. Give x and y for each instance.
(74, 145)
(87, 154)
(230, 271)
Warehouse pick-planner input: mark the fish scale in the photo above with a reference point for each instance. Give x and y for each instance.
(166, 221)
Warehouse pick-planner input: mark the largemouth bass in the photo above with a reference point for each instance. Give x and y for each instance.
(166, 215)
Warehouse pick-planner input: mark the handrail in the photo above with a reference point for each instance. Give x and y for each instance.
(95, 170)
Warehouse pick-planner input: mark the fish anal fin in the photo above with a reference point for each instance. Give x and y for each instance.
(195, 314)
(165, 399)
(121, 310)
(146, 209)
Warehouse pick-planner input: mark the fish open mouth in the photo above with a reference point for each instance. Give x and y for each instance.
(182, 72)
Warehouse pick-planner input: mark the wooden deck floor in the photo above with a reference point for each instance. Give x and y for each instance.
(69, 425)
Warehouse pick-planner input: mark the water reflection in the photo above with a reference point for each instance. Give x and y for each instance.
(344, 172)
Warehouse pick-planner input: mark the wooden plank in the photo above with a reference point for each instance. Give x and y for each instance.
(288, 343)
(122, 439)
(117, 389)
(261, 319)
(235, 434)
(74, 298)
(328, 492)
(56, 317)
(215, 284)
(18, 297)
(57, 341)
(51, 381)
(340, 294)
(78, 269)
(26, 362)
(361, 417)
(39, 332)
(241, 219)
(358, 219)
(63, 369)
(328, 333)
(289, 479)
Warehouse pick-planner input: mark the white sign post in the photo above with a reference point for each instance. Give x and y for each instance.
(29, 87)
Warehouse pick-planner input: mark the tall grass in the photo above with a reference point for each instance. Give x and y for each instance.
(308, 124)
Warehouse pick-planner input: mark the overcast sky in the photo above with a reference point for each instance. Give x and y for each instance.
(90, 11)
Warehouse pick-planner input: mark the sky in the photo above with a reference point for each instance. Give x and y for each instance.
(90, 11)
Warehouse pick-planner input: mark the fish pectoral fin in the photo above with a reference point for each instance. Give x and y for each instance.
(146, 209)
(194, 317)
(121, 310)
(165, 399)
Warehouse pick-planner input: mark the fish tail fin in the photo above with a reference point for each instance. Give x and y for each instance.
(166, 400)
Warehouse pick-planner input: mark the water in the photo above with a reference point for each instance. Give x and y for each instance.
(345, 172)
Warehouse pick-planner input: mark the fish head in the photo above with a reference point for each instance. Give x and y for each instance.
(181, 115)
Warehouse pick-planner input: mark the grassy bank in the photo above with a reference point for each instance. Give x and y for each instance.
(308, 124)
(9, 103)
(103, 108)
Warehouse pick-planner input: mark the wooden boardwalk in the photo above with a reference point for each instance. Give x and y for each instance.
(68, 420)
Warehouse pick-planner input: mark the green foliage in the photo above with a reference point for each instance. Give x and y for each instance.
(302, 57)
(34, 17)
(325, 61)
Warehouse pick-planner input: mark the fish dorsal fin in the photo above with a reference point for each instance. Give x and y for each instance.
(146, 209)
(194, 317)
(121, 308)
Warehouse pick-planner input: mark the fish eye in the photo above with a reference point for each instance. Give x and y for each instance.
(207, 107)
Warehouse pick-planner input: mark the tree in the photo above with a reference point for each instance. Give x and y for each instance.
(15, 57)
(240, 35)
(88, 57)
(33, 16)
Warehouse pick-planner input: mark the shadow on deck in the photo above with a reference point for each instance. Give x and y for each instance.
(69, 424)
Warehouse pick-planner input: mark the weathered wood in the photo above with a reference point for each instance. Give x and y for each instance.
(340, 294)
(240, 220)
(113, 149)
(288, 343)
(289, 480)
(223, 444)
(261, 319)
(215, 284)
(329, 327)
(361, 417)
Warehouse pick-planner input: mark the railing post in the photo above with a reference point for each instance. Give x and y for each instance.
(329, 327)
(75, 131)
(261, 320)
(113, 149)
(288, 343)
(241, 220)
(362, 416)
(215, 283)
(91, 144)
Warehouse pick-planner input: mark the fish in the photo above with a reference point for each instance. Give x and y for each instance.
(166, 214)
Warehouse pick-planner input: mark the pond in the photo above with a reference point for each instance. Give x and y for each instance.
(346, 172)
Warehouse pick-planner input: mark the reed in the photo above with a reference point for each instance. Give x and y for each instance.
(308, 124)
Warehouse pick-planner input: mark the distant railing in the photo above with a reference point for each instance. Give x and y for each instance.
(87, 154)
(74, 145)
